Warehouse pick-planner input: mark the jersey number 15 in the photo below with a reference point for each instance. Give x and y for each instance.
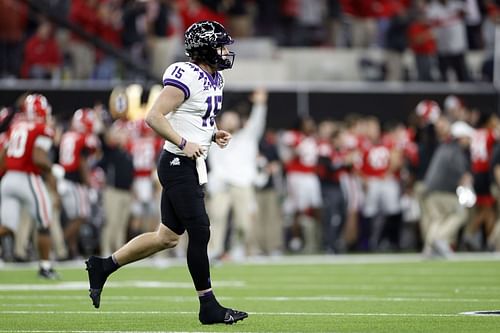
(214, 104)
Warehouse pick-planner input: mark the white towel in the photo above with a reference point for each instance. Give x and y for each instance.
(201, 168)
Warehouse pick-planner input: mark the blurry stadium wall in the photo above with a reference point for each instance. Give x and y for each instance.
(389, 101)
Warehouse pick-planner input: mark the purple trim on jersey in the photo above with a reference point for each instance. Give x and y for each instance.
(218, 79)
(178, 84)
(210, 77)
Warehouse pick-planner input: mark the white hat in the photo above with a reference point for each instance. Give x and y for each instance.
(429, 110)
(452, 102)
(461, 129)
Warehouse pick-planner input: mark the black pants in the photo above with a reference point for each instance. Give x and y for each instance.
(183, 209)
(182, 199)
(456, 63)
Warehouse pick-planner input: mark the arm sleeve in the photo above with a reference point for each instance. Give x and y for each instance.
(43, 142)
(257, 121)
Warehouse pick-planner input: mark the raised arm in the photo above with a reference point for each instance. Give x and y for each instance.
(257, 121)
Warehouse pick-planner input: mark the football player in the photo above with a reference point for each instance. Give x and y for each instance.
(75, 147)
(144, 148)
(184, 115)
(26, 159)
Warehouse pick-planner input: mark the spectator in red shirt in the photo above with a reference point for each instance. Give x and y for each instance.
(363, 23)
(13, 15)
(192, 11)
(42, 56)
(491, 21)
(109, 27)
(423, 45)
(83, 13)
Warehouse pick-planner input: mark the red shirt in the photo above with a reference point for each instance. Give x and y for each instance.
(38, 51)
(144, 151)
(4, 141)
(72, 147)
(22, 137)
(426, 46)
(376, 161)
(193, 13)
(13, 19)
(305, 149)
(493, 10)
(84, 16)
(480, 149)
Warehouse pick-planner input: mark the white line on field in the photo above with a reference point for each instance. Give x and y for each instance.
(81, 285)
(313, 314)
(20, 305)
(118, 299)
(342, 259)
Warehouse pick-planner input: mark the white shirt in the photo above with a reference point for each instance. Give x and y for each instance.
(450, 30)
(194, 119)
(237, 163)
(473, 15)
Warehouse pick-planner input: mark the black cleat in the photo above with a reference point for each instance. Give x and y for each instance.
(49, 274)
(97, 278)
(95, 295)
(232, 316)
(222, 316)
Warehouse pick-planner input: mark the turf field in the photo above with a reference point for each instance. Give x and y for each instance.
(294, 294)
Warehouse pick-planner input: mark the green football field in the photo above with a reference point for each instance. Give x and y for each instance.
(352, 293)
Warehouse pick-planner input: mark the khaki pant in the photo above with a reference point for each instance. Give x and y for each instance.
(117, 205)
(494, 237)
(269, 222)
(363, 32)
(394, 65)
(242, 202)
(446, 216)
(83, 56)
(420, 194)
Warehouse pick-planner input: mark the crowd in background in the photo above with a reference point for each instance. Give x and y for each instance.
(439, 33)
(333, 186)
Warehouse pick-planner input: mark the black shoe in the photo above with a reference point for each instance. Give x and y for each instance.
(97, 278)
(230, 317)
(49, 274)
(233, 316)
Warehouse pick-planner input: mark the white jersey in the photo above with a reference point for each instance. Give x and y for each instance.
(194, 119)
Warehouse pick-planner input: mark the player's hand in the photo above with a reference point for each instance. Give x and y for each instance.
(222, 138)
(193, 150)
(259, 96)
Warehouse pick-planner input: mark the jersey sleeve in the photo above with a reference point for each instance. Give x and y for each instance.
(179, 75)
(44, 136)
(91, 143)
(45, 130)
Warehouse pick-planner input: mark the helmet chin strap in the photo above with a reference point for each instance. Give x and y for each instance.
(226, 61)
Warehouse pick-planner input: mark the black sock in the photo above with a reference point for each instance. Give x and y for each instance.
(109, 265)
(210, 310)
(208, 297)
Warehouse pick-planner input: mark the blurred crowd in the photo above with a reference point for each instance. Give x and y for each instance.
(430, 185)
(439, 33)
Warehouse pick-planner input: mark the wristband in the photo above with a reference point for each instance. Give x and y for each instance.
(183, 143)
(214, 137)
